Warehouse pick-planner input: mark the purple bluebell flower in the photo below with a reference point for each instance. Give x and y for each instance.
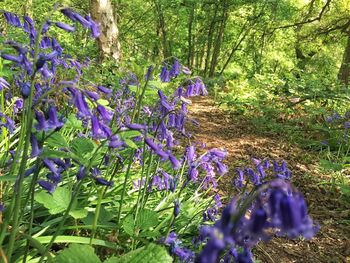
(84, 22)
(190, 154)
(136, 126)
(46, 27)
(222, 168)
(25, 89)
(175, 69)
(96, 130)
(105, 114)
(68, 13)
(184, 254)
(104, 89)
(92, 95)
(148, 75)
(239, 179)
(81, 173)
(115, 142)
(4, 84)
(35, 146)
(18, 47)
(42, 124)
(171, 238)
(94, 27)
(80, 103)
(186, 70)
(2, 207)
(53, 121)
(30, 171)
(12, 58)
(65, 27)
(48, 186)
(156, 148)
(164, 75)
(174, 162)
(51, 166)
(245, 257)
(217, 200)
(102, 181)
(12, 19)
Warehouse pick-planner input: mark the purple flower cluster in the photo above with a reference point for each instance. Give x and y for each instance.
(262, 172)
(211, 163)
(276, 209)
(184, 254)
(166, 74)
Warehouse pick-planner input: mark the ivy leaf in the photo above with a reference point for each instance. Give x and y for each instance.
(55, 203)
(151, 253)
(77, 253)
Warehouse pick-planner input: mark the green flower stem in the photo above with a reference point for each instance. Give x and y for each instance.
(70, 205)
(101, 194)
(140, 188)
(97, 215)
(148, 172)
(127, 175)
(28, 113)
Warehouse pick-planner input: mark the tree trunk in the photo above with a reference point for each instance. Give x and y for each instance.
(210, 39)
(108, 41)
(190, 38)
(344, 71)
(162, 27)
(219, 38)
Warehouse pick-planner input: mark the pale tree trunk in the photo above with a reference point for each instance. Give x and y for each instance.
(344, 71)
(108, 42)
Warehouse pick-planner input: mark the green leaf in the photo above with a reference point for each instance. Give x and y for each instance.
(49, 153)
(151, 254)
(147, 219)
(77, 253)
(328, 165)
(128, 225)
(77, 240)
(73, 122)
(129, 134)
(57, 140)
(55, 203)
(131, 144)
(81, 146)
(79, 214)
(103, 102)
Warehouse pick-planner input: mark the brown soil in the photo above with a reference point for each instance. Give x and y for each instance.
(242, 141)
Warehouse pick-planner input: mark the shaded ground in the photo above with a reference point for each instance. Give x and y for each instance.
(242, 141)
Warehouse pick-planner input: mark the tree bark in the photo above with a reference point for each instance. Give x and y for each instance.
(190, 38)
(219, 38)
(162, 27)
(344, 71)
(108, 42)
(210, 39)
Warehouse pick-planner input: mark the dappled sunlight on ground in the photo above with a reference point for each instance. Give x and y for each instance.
(219, 130)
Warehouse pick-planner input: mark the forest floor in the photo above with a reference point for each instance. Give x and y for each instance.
(243, 141)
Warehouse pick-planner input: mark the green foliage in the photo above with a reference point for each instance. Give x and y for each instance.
(77, 253)
(151, 253)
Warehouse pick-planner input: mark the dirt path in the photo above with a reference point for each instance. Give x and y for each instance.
(242, 141)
